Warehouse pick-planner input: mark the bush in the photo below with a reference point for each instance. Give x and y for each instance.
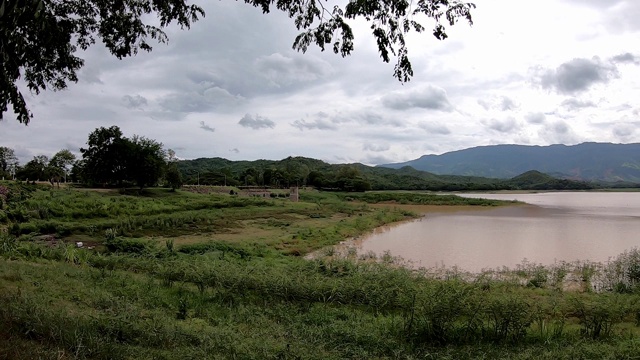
(8, 243)
(508, 317)
(128, 246)
(598, 315)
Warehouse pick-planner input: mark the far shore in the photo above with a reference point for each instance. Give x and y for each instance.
(430, 209)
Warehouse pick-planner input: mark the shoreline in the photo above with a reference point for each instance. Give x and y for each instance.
(443, 209)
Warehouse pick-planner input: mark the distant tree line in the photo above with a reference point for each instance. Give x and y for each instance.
(110, 159)
(301, 171)
(292, 171)
(40, 168)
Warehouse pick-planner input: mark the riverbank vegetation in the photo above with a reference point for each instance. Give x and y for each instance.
(179, 274)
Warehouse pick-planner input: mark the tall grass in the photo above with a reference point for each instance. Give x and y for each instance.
(136, 298)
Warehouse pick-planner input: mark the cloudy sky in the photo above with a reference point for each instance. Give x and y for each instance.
(533, 72)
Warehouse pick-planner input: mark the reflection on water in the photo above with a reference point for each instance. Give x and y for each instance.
(556, 227)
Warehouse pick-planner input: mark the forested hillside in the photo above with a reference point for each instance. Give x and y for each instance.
(300, 171)
(588, 161)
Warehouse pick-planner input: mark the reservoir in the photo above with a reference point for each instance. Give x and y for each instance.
(552, 227)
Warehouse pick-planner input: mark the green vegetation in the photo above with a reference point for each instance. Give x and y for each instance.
(535, 180)
(300, 171)
(179, 274)
(112, 160)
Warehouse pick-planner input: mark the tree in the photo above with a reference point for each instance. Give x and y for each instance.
(349, 178)
(8, 162)
(145, 161)
(112, 158)
(173, 177)
(104, 161)
(249, 176)
(316, 178)
(61, 163)
(35, 169)
(39, 38)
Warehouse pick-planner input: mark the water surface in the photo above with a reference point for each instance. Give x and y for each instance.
(565, 226)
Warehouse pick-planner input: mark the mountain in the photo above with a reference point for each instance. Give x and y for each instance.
(587, 162)
(353, 177)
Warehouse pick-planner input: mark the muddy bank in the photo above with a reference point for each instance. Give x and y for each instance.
(431, 209)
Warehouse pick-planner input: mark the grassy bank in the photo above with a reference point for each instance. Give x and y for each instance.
(186, 276)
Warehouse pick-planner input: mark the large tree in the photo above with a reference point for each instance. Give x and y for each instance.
(104, 161)
(146, 161)
(35, 169)
(39, 39)
(60, 164)
(112, 159)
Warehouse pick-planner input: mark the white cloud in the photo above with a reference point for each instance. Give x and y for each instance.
(283, 70)
(256, 123)
(575, 104)
(319, 124)
(206, 127)
(375, 147)
(507, 104)
(626, 58)
(507, 125)
(429, 97)
(535, 118)
(134, 102)
(435, 128)
(577, 75)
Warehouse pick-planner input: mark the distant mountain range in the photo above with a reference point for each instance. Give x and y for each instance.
(603, 162)
(303, 171)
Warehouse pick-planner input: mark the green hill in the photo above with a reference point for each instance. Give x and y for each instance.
(603, 162)
(301, 171)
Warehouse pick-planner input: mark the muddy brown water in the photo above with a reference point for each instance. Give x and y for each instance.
(553, 227)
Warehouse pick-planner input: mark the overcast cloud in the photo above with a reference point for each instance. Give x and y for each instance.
(578, 75)
(429, 98)
(232, 87)
(257, 122)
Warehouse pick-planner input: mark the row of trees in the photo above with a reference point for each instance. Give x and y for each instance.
(292, 171)
(41, 167)
(110, 159)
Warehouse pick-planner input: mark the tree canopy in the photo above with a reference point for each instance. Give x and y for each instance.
(40, 39)
(112, 159)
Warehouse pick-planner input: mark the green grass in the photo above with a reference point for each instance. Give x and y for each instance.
(185, 306)
(184, 276)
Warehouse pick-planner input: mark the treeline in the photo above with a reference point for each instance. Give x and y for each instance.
(110, 159)
(40, 168)
(292, 171)
(301, 171)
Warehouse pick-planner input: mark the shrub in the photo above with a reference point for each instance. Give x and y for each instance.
(508, 317)
(129, 246)
(8, 243)
(598, 315)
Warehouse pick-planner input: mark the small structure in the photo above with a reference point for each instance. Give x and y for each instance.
(258, 193)
(293, 194)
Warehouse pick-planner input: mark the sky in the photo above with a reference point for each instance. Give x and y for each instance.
(530, 72)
